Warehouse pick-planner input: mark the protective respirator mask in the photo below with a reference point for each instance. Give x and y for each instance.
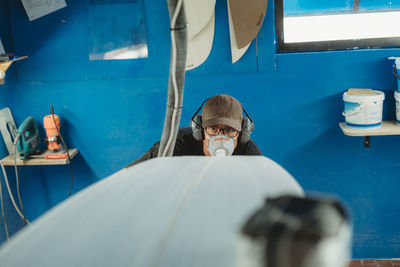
(220, 145)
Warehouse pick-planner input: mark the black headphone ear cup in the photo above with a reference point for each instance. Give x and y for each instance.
(197, 130)
(247, 128)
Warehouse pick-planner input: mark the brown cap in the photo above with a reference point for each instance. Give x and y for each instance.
(222, 109)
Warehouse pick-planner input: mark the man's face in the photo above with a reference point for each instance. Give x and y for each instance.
(221, 129)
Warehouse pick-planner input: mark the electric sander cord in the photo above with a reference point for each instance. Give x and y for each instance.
(11, 196)
(2, 210)
(17, 177)
(66, 148)
(21, 214)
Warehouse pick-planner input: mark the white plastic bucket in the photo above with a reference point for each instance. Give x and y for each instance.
(363, 110)
(397, 98)
(396, 70)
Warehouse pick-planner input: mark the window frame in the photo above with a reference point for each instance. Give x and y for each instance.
(388, 42)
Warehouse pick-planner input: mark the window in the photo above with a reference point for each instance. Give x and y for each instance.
(315, 25)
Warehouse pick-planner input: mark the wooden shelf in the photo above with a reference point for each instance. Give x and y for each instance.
(9, 160)
(5, 65)
(387, 128)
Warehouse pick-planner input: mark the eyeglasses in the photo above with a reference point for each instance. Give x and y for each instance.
(214, 130)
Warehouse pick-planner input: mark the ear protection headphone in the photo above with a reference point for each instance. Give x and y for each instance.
(198, 132)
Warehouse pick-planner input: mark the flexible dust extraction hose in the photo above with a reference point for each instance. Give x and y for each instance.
(176, 77)
(22, 215)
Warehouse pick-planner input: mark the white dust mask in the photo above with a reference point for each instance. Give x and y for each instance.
(220, 145)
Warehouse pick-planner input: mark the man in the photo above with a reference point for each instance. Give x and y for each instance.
(221, 130)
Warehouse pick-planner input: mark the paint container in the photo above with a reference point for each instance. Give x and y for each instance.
(397, 98)
(363, 108)
(396, 70)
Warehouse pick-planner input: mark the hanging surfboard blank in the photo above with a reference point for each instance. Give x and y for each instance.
(236, 52)
(200, 17)
(245, 21)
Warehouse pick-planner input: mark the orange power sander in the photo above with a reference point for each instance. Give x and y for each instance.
(53, 140)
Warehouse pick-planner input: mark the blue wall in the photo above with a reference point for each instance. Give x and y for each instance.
(113, 111)
(14, 224)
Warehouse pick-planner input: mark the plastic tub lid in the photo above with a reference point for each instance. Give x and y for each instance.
(377, 96)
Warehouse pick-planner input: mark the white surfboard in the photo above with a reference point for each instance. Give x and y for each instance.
(199, 47)
(200, 17)
(172, 211)
(198, 14)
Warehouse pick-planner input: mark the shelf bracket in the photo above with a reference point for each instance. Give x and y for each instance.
(366, 141)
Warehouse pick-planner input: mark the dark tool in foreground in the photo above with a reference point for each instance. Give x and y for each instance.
(291, 231)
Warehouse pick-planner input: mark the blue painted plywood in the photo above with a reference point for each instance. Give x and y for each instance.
(116, 29)
(49, 38)
(266, 41)
(14, 224)
(55, 54)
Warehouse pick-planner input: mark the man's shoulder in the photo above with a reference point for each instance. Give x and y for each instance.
(186, 144)
(185, 131)
(185, 135)
(248, 148)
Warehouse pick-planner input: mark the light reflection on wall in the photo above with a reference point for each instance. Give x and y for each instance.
(135, 51)
(116, 29)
